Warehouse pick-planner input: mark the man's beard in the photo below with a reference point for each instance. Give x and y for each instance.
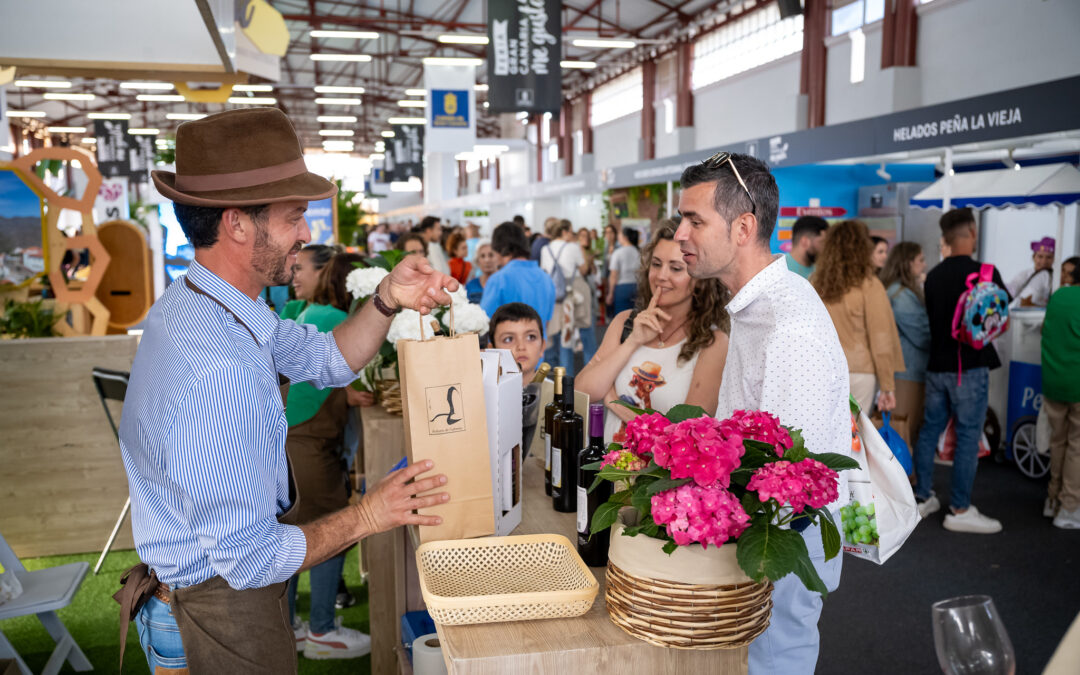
(269, 261)
(811, 257)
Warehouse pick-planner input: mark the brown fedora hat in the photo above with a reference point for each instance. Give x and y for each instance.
(240, 158)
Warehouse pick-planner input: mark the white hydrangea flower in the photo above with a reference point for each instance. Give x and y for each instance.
(469, 318)
(459, 297)
(407, 325)
(362, 282)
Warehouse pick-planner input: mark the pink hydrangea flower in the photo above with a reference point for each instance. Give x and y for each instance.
(798, 485)
(706, 515)
(624, 459)
(698, 448)
(643, 430)
(759, 425)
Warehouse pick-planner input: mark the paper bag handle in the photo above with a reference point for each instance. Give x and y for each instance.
(453, 332)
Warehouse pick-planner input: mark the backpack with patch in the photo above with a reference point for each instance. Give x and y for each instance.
(982, 313)
(556, 274)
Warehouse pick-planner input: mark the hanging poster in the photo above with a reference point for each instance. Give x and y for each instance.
(320, 220)
(523, 55)
(451, 114)
(405, 153)
(112, 147)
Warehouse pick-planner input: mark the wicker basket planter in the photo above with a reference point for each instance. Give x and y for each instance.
(692, 599)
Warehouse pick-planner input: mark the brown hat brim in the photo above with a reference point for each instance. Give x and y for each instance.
(306, 187)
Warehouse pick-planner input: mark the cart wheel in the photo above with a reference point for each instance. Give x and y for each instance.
(1029, 460)
(992, 429)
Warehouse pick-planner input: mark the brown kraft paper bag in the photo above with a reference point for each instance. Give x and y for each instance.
(442, 396)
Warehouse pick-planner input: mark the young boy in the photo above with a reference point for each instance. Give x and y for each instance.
(517, 327)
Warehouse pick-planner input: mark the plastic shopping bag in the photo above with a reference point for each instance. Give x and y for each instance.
(946, 445)
(896, 443)
(882, 511)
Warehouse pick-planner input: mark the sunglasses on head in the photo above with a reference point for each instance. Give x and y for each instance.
(718, 160)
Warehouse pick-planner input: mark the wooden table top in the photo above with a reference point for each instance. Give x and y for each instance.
(590, 643)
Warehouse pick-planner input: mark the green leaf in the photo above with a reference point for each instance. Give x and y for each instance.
(834, 461)
(622, 498)
(830, 537)
(684, 412)
(595, 484)
(593, 466)
(605, 516)
(855, 409)
(665, 484)
(612, 447)
(614, 473)
(670, 547)
(641, 500)
(750, 503)
(636, 410)
(768, 551)
(757, 455)
(796, 454)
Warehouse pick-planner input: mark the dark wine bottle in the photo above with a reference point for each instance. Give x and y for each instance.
(593, 549)
(549, 415)
(566, 442)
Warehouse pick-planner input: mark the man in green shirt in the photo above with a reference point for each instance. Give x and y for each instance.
(806, 237)
(1061, 397)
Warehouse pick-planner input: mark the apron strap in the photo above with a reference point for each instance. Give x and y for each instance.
(137, 585)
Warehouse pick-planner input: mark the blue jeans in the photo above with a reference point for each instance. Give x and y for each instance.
(324, 585)
(789, 646)
(625, 297)
(967, 403)
(160, 636)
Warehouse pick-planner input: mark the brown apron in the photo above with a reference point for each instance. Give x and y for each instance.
(314, 450)
(224, 630)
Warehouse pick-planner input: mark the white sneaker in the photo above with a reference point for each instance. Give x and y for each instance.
(1050, 507)
(931, 505)
(969, 521)
(340, 643)
(300, 630)
(1068, 520)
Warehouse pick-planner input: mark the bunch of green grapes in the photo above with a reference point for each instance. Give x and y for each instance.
(860, 523)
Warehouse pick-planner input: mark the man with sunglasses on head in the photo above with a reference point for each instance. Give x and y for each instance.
(784, 357)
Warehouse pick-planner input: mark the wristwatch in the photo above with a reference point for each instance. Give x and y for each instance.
(383, 308)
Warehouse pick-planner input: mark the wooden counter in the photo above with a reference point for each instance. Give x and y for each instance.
(587, 644)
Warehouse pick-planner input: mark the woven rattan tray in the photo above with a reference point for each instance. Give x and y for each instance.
(493, 579)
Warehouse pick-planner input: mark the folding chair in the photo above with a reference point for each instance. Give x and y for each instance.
(111, 385)
(44, 592)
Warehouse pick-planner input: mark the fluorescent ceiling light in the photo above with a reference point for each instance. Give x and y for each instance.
(487, 104)
(463, 39)
(380, 146)
(493, 148)
(184, 116)
(253, 87)
(159, 97)
(322, 89)
(416, 92)
(384, 134)
(484, 87)
(89, 140)
(329, 119)
(109, 116)
(44, 84)
(144, 132)
(411, 185)
(337, 101)
(26, 113)
(600, 43)
(67, 130)
(407, 120)
(587, 65)
(336, 132)
(360, 58)
(252, 100)
(452, 61)
(376, 155)
(165, 86)
(348, 34)
(412, 103)
(69, 97)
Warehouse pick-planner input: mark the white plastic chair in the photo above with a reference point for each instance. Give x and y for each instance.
(44, 592)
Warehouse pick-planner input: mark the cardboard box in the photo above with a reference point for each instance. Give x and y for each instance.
(502, 396)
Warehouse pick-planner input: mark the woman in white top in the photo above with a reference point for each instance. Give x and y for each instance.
(673, 351)
(577, 314)
(623, 266)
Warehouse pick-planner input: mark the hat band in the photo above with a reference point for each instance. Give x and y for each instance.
(241, 179)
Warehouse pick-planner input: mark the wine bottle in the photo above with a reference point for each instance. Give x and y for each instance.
(593, 549)
(549, 414)
(541, 373)
(566, 442)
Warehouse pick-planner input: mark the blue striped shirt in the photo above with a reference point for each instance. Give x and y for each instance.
(203, 434)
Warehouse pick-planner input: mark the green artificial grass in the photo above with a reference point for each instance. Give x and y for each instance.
(93, 618)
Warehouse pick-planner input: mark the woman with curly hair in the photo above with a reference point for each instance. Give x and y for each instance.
(670, 350)
(856, 300)
(903, 276)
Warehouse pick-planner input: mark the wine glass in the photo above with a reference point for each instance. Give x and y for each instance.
(970, 638)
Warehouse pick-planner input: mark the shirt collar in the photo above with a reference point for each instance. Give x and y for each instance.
(760, 283)
(253, 313)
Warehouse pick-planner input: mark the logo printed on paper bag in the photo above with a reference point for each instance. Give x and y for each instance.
(445, 405)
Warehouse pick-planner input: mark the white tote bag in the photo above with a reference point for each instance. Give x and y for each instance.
(882, 511)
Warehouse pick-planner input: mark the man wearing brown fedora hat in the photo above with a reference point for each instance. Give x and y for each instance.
(203, 430)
